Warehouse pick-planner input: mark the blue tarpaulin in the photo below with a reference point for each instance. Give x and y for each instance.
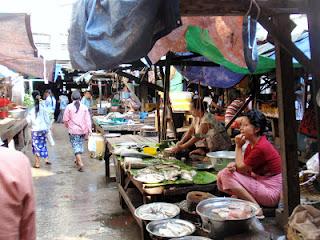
(106, 33)
(218, 77)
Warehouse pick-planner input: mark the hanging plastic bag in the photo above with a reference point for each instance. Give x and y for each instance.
(92, 143)
(313, 163)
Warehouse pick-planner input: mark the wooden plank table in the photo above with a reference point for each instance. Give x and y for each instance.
(126, 128)
(111, 142)
(147, 194)
(14, 129)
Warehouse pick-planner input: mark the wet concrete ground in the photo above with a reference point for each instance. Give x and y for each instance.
(77, 206)
(80, 206)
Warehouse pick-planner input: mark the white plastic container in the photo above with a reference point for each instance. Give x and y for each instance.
(96, 145)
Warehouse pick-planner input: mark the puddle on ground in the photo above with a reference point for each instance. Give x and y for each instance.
(39, 172)
(116, 220)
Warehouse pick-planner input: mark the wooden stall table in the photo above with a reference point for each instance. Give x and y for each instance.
(148, 194)
(151, 194)
(14, 129)
(107, 128)
(111, 142)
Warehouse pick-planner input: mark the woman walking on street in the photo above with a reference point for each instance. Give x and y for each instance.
(63, 100)
(50, 104)
(40, 122)
(77, 119)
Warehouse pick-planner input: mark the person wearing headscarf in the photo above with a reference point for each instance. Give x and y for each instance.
(39, 120)
(78, 121)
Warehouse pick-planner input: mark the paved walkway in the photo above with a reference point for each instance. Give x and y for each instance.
(77, 206)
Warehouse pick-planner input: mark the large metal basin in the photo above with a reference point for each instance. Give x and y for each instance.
(219, 228)
(220, 159)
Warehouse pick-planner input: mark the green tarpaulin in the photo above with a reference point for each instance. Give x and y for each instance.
(199, 41)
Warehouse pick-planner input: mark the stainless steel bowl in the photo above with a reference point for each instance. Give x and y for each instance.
(191, 238)
(218, 227)
(18, 113)
(170, 228)
(220, 159)
(157, 211)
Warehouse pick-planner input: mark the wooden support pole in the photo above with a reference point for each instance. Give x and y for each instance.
(314, 38)
(166, 87)
(285, 41)
(237, 8)
(287, 121)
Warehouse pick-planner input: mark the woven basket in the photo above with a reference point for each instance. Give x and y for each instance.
(293, 234)
(309, 189)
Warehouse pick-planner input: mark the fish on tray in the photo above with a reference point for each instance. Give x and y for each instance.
(233, 212)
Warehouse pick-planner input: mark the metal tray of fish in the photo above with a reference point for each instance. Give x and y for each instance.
(157, 211)
(170, 228)
(221, 209)
(127, 144)
(191, 238)
(150, 177)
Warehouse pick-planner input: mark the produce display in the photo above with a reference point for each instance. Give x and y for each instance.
(171, 172)
(28, 101)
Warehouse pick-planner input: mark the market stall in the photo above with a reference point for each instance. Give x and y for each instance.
(13, 124)
(16, 130)
(155, 177)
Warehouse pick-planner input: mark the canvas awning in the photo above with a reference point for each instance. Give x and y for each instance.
(17, 50)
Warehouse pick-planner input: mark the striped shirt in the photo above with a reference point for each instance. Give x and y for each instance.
(232, 109)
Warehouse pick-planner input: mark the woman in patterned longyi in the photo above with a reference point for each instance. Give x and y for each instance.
(40, 122)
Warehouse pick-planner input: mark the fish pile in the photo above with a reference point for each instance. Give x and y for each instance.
(161, 172)
(234, 212)
(157, 211)
(172, 229)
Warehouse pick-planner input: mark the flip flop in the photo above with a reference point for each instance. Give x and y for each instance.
(36, 166)
(260, 217)
(48, 163)
(80, 169)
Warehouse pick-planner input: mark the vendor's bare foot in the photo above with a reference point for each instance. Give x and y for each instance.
(259, 214)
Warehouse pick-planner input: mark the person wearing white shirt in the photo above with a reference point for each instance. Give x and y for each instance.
(50, 104)
(40, 122)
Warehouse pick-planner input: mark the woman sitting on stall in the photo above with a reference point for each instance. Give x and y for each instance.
(204, 135)
(255, 175)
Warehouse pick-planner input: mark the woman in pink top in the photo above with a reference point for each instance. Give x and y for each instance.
(17, 201)
(255, 175)
(77, 119)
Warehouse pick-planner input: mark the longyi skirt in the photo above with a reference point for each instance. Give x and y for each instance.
(77, 143)
(39, 143)
(266, 190)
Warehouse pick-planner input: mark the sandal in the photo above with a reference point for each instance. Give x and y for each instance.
(36, 166)
(48, 163)
(80, 169)
(260, 217)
